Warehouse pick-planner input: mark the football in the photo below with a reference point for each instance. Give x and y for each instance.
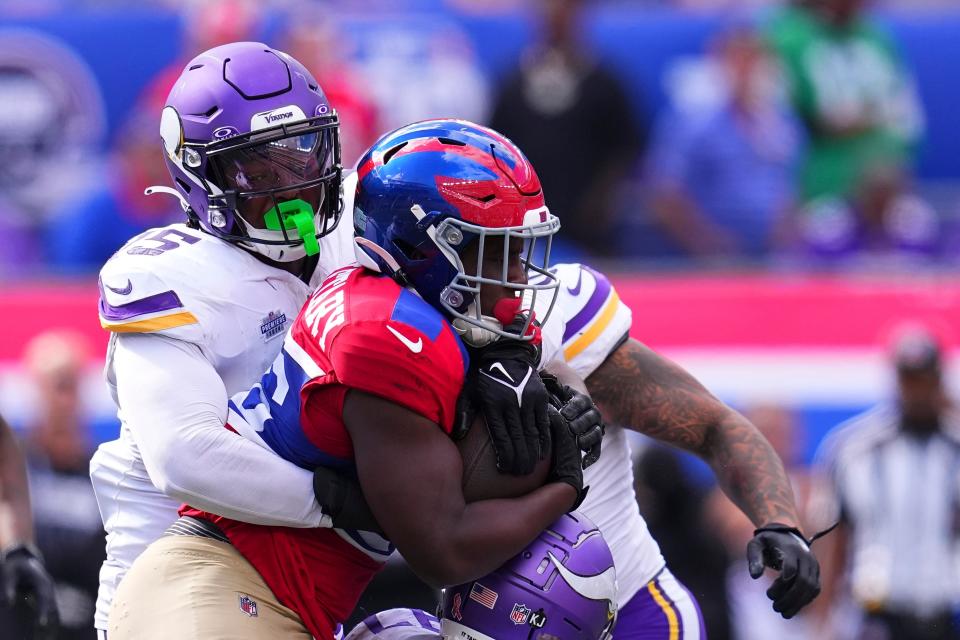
(482, 480)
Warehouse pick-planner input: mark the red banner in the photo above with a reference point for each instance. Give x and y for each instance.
(669, 312)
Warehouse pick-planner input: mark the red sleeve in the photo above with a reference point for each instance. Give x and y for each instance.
(321, 418)
(399, 363)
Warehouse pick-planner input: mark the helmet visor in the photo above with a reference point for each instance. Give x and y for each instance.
(270, 169)
(278, 164)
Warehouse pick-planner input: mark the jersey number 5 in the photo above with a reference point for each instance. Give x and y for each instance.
(165, 243)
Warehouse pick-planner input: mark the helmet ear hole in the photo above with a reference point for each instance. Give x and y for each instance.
(408, 250)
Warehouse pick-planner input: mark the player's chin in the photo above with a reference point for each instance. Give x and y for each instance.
(254, 210)
(491, 295)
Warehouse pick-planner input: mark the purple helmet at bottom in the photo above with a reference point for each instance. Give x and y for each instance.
(562, 586)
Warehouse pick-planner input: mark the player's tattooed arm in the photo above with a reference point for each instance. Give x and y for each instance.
(643, 391)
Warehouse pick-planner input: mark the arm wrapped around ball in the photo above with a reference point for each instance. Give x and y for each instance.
(566, 465)
(503, 384)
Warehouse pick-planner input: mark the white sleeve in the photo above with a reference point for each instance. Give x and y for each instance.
(175, 404)
(588, 321)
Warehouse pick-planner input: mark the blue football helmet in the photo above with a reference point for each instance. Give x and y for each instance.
(426, 192)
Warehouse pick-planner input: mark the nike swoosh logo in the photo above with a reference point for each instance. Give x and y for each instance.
(122, 291)
(517, 388)
(602, 586)
(416, 347)
(575, 290)
(497, 365)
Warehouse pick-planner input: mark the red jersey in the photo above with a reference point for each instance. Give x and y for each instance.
(359, 330)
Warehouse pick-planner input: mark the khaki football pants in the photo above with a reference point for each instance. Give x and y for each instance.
(186, 587)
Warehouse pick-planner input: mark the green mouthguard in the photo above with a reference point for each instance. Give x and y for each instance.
(296, 214)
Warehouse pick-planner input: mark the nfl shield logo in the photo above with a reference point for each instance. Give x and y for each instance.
(248, 605)
(520, 613)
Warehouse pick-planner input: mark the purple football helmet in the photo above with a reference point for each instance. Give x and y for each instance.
(253, 147)
(563, 585)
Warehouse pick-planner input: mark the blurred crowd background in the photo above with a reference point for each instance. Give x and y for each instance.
(814, 134)
(774, 186)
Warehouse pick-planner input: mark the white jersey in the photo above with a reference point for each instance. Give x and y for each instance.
(182, 293)
(587, 324)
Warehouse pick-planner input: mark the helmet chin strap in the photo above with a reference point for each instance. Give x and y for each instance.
(505, 312)
(474, 335)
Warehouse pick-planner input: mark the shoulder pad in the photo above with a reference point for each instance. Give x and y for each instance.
(409, 355)
(588, 321)
(151, 284)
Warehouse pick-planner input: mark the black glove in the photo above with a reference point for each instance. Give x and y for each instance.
(785, 549)
(582, 416)
(504, 385)
(26, 581)
(566, 465)
(342, 499)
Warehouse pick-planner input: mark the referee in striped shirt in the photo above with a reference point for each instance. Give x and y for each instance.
(891, 476)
